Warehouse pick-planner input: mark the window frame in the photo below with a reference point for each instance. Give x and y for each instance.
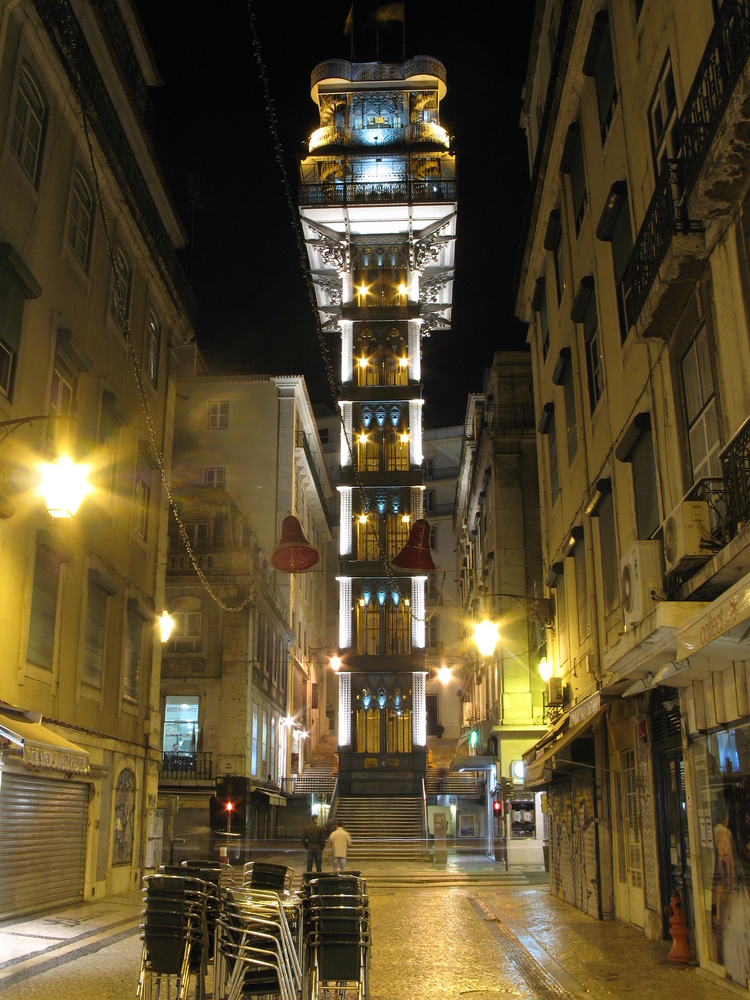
(44, 607)
(706, 402)
(152, 345)
(80, 220)
(31, 93)
(218, 414)
(122, 274)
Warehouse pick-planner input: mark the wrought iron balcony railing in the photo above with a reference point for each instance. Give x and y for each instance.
(196, 766)
(666, 215)
(724, 57)
(385, 192)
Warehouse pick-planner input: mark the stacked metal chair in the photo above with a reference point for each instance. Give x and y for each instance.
(336, 934)
(264, 875)
(175, 935)
(257, 951)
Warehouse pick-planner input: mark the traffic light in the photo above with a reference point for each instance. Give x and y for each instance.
(497, 807)
(473, 739)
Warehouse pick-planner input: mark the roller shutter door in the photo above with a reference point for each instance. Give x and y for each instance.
(42, 843)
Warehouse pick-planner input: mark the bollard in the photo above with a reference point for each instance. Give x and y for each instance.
(680, 951)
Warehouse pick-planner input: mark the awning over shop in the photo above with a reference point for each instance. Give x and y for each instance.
(722, 623)
(42, 748)
(274, 799)
(558, 756)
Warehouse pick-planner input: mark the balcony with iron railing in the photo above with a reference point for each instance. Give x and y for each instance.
(186, 768)
(711, 176)
(667, 257)
(409, 191)
(365, 72)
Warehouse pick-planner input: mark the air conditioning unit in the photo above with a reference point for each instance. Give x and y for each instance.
(555, 692)
(641, 572)
(687, 533)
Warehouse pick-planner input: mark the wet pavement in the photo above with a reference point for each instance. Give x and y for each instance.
(467, 929)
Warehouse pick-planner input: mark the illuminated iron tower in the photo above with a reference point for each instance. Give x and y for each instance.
(378, 210)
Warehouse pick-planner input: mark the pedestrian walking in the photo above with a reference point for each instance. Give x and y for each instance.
(313, 840)
(340, 841)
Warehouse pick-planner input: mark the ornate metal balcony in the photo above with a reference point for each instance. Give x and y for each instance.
(380, 135)
(378, 193)
(667, 256)
(186, 767)
(341, 69)
(715, 104)
(109, 14)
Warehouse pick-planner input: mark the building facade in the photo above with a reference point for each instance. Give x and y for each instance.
(92, 305)
(501, 580)
(378, 213)
(633, 279)
(255, 677)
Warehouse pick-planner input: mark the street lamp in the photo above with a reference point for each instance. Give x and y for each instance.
(545, 669)
(486, 636)
(64, 486)
(166, 624)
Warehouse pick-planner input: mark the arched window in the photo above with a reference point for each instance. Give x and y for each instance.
(29, 124)
(81, 219)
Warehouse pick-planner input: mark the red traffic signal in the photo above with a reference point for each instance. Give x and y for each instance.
(497, 807)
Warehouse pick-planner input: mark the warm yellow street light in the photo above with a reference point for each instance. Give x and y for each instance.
(545, 669)
(166, 624)
(444, 675)
(486, 636)
(64, 486)
(335, 662)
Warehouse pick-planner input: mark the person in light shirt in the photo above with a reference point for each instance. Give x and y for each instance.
(339, 841)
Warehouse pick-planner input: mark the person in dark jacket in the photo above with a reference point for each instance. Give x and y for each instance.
(313, 840)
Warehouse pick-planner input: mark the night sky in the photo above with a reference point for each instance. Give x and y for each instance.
(212, 122)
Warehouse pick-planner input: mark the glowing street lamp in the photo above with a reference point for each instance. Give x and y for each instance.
(545, 669)
(486, 636)
(335, 663)
(64, 486)
(166, 624)
(444, 675)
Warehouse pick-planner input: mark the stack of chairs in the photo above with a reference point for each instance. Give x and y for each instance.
(226, 874)
(336, 934)
(258, 945)
(264, 875)
(175, 935)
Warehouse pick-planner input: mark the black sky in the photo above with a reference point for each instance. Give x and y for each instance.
(211, 120)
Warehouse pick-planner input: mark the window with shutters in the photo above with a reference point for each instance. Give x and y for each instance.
(544, 321)
(622, 248)
(645, 486)
(599, 63)
(571, 420)
(575, 167)
(608, 553)
(43, 615)
(133, 653)
(594, 360)
(562, 622)
(582, 593)
(94, 635)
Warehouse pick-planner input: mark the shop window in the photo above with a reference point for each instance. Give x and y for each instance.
(181, 727)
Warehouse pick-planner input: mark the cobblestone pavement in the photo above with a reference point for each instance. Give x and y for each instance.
(468, 931)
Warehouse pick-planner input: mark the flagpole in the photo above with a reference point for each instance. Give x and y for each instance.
(403, 37)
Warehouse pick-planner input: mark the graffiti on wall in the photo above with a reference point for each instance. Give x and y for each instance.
(122, 848)
(573, 874)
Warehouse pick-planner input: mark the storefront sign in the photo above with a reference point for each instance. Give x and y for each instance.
(718, 619)
(585, 710)
(55, 760)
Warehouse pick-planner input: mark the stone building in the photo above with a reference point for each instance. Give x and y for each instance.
(254, 680)
(634, 280)
(92, 305)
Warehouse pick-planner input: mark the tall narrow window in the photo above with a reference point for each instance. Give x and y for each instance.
(637, 447)
(61, 395)
(152, 345)
(602, 510)
(188, 623)
(547, 427)
(539, 305)
(119, 302)
(96, 629)
(571, 420)
(254, 744)
(142, 494)
(582, 593)
(43, 616)
(215, 477)
(663, 123)
(80, 220)
(573, 163)
(16, 285)
(133, 652)
(29, 124)
(600, 64)
(584, 312)
(700, 408)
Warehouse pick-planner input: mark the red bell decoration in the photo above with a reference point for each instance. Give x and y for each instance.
(293, 554)
(415, 556)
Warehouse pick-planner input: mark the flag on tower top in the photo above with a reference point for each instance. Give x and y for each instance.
(390, 12)
(349, 23)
